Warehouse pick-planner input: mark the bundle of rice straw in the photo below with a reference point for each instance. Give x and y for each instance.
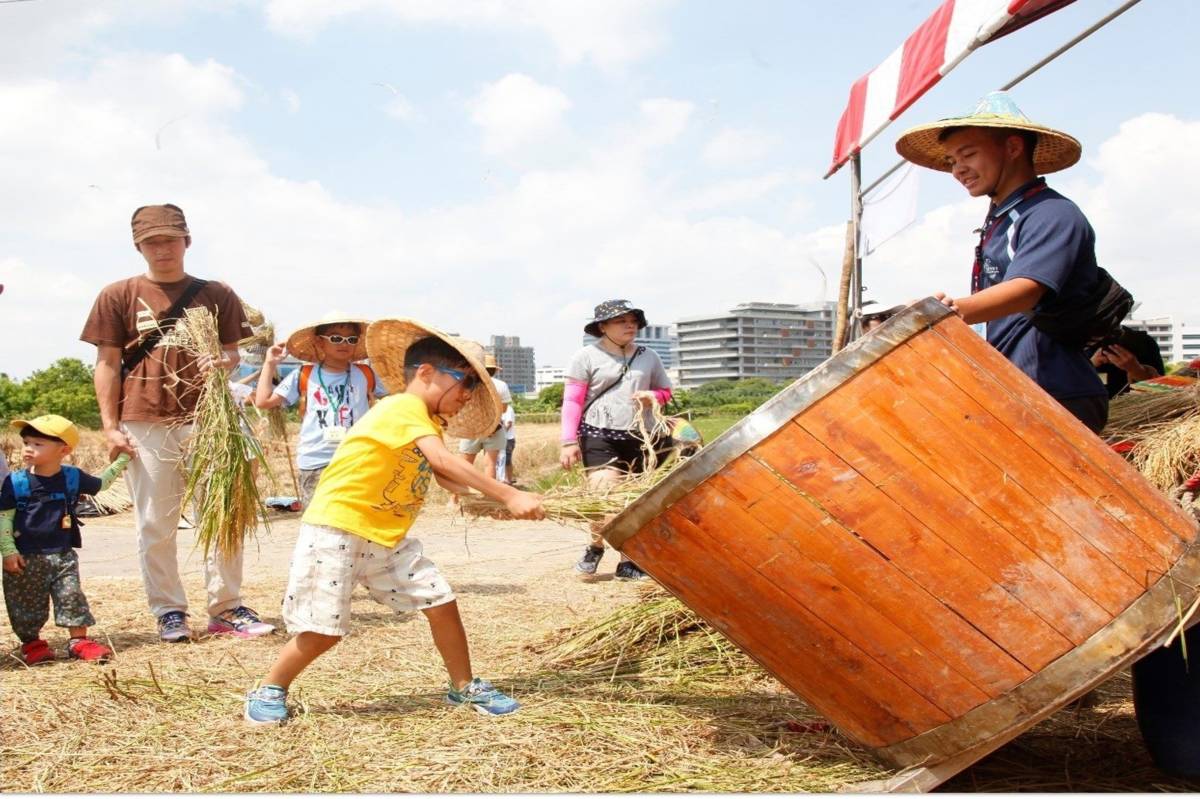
(1134, 414)
(221, 452)
(574, 502)
(1169, 453)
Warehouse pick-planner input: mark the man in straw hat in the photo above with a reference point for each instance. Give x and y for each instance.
(1035, 246)
(147, 386)
(332, 388)
(356, 528)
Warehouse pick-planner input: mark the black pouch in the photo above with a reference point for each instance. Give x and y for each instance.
(1090, 322)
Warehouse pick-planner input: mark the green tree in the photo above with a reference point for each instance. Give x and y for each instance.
(64, 388)
(551, 397)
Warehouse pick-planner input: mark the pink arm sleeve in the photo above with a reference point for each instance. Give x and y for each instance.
(663, 395)
(572, 409)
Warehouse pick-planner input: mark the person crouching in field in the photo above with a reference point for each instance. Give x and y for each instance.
(333, 390)
(39, 533)
(355, 529)
(609, 384)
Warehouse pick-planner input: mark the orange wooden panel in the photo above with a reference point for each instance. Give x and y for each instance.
(1102, 474)
(835, 677)
(864, 438)
(859, 506)
(717, 508)
(790, 522)
(1004, 484)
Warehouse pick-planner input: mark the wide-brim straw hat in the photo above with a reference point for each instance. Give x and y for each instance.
(388, 341)
(1055, 150)
(489, 363)
(303, 343)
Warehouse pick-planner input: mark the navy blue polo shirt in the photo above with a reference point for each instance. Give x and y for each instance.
(1044, 237)
(39, 527)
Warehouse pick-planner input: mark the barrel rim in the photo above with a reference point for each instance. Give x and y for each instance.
(773, 414)
(1144, 625)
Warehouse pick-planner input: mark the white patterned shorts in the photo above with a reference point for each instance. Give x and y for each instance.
(328, 563)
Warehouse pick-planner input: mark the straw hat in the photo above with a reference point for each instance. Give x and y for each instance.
(303, 343)
(489, 363)
(1055, 150)
(388, 341)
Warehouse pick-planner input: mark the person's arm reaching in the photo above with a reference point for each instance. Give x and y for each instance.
(113, 471)
(521, 504)
(264, 399)
(1010, 297)
(13, 562)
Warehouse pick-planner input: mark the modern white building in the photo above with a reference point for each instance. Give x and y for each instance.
(660, 338)
(777, 341)
(545, 376)
(1177, 340)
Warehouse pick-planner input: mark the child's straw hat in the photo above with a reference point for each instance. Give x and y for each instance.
(388, 341)
(1055, 150)
(303, 343)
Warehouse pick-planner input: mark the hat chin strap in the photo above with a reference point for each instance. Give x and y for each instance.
(614, 343)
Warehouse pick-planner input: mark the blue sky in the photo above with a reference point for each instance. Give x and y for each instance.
(499, 166)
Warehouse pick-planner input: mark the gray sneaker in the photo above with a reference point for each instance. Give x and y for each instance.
(173, 627)
(590, 560)
(627, 570)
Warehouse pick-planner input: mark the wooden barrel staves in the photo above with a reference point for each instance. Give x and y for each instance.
(922, 544)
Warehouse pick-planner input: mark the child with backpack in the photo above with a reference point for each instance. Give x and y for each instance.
(39, 533)
(332, 389)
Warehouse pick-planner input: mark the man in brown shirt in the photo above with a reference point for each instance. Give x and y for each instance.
(147, 387)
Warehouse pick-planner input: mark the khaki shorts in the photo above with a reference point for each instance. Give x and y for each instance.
(326, 565)
(496, 442)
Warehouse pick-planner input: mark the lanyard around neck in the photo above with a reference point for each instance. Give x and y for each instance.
(338, 407)
(989, 228)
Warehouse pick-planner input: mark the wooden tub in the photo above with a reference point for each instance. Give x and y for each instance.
(921, 544)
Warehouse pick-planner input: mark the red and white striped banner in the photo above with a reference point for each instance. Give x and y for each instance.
(932, 50)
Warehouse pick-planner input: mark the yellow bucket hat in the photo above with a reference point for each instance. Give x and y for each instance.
(50, 424)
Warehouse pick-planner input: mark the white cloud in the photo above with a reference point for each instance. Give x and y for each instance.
(731, 147)
(291, 100)
(609, 33)
(401, 109)
(517, 110)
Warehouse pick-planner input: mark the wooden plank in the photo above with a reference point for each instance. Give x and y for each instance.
(808, 656)
(828, 481)
(1104, 476)
(798, 525)
(1004, 484)
(718, 508)
(979, 531)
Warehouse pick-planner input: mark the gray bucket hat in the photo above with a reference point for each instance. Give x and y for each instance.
(611, 309)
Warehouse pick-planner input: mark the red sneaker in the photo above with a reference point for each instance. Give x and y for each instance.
(36, 652)
(88, 649)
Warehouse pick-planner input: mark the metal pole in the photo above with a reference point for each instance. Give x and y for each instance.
(1086, 33)
(854, 322)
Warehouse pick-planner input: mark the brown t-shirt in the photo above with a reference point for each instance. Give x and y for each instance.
(165, 385)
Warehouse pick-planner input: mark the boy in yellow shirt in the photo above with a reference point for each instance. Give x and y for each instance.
(354, 530)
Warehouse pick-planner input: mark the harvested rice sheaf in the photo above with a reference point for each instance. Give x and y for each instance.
(221, 453)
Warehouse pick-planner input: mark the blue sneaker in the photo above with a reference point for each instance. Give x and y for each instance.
(173, 627)
(483, 697)
(266, 705)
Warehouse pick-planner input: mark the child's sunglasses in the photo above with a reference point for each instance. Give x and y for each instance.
(336, 339)
(468, 379)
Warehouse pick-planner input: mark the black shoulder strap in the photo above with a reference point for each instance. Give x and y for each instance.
(615, 383)
(152, 338)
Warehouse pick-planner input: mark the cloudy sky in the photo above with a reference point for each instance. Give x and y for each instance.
(500, 166)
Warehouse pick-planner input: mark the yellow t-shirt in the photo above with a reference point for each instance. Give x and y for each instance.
(376, 483)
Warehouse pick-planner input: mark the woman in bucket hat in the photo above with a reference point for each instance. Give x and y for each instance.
(611, 389)
(1035, 249)
(333, 390)
(355, 530)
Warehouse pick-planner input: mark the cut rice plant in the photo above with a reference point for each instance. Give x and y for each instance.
(570, 500)
(221, 453)
(1168, 454)
(1135, 413)
(114, 499)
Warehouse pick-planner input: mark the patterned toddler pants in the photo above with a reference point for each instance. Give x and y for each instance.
(27, 595)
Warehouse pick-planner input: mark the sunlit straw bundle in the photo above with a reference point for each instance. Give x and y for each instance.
(114, 499)
(1170, 453)
(1135, 413)
(221, 452)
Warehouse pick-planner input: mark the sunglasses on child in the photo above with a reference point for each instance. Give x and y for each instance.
(468, 379)
(336, 339)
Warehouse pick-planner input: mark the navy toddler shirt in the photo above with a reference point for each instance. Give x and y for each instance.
(39, 527)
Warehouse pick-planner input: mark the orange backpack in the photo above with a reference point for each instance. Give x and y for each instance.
(306, 372)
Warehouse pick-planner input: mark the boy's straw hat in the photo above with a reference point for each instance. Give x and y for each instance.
(388, 341)
(1055, 150)
(489, 363)
(303, 343)
(50, 424)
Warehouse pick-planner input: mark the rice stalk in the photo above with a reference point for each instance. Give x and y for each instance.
(1168, 454)
(114, 499)
(221, 452)
(1135, 413)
